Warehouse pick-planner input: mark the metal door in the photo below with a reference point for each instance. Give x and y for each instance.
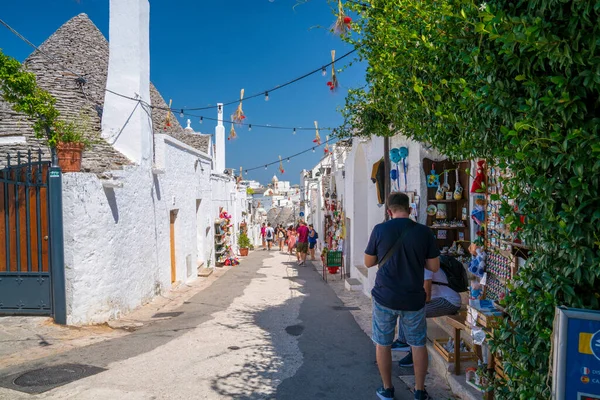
(25, 270)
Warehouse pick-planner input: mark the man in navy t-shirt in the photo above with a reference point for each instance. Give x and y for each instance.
(398, 294)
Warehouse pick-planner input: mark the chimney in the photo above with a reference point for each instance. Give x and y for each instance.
(220, 142)
(126, 123)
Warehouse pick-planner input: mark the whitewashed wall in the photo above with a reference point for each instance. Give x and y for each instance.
(117, 240)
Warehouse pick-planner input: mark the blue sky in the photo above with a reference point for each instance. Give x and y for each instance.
(204, 52)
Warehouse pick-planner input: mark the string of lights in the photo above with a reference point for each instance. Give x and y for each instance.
(81, 79)
(265, 93)
(288, 158)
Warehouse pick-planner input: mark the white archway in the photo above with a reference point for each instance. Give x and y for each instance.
(360, 217)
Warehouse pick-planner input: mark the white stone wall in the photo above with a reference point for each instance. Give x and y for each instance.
(117, 240)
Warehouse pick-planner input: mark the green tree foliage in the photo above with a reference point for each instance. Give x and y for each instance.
(515, 82)
(19, 88)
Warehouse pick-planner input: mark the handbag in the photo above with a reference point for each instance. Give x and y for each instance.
(398, 243)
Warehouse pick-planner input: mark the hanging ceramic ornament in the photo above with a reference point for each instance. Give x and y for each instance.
(317, 139)
(439, 193)
(281, 166)
(458, 190)
(446, 185)
(326, 150)
(238, 116)
(168, 117)
(404, 154)
(333, 83)
(433, 179)
(342, 22)
(232, 134)
(394, 174)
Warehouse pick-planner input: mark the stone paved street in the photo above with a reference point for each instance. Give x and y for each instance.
(264, 330)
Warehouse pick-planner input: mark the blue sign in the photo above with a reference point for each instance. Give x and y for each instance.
(578, 357)
(302, 213)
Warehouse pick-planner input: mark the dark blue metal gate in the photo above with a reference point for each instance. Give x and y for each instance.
(25, 252)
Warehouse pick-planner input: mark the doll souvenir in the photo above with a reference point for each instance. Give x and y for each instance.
(479, 177)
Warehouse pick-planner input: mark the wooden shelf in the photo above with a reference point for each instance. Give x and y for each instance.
(444, 201)
(514, 244)
(449, 227)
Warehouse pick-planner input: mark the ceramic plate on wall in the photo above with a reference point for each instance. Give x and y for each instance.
(431, 209)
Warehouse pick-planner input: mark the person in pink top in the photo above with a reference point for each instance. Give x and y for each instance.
(302, 246)
(263, 235)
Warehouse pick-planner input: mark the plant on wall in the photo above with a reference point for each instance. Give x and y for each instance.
(19, 88)
(515, 83)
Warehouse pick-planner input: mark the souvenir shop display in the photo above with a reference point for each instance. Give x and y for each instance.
(497, 254)
(224, 253)
(334, 224)
(441, 212)
(446, 210)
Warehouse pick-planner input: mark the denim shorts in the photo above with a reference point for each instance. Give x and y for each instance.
(412, 323)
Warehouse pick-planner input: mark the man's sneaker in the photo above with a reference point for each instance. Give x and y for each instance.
(406, 361)
(399, 346)
(421, 395)
(385, 394)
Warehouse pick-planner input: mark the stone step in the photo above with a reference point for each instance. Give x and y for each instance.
(362, 270)
(204, 272)
(353, 284)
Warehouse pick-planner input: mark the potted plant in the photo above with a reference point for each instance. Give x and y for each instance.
(243, 244)
(72, 137)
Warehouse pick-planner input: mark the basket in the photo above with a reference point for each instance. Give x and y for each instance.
(449, 357)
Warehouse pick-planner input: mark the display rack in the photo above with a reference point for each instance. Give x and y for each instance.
(506, 251)
(450, 223)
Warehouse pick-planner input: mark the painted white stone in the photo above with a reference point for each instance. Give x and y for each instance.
(220, 142)
(125, 122)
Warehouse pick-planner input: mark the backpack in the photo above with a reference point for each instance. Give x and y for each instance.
(269, 233)
(456, 274)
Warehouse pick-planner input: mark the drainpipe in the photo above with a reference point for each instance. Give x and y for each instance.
(386, 181)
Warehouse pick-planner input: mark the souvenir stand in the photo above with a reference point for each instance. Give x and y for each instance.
(448, 206)
(449, 217)
(224, 254)
(334, 228)
(497, 255)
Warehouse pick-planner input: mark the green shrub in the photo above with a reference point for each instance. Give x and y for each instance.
(243, 241)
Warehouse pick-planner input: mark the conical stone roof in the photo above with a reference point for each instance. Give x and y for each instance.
(80, 47)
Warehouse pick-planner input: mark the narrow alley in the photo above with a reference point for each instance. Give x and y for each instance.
(267, 329)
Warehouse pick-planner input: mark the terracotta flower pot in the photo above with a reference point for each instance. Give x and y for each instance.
(243, 252)
(69, 156)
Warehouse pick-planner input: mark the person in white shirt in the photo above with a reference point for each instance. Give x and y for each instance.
(441, 300)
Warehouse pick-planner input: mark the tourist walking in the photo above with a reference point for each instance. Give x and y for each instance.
(270, 236)
(312, 241)
(280, 236)
(302, 246)
(401, 248)
(291, 239)
(263, 235)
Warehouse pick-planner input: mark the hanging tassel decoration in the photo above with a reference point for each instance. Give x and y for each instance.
(342, 23)
(281, 165)
(317, 139)
(333, 83)
(238, 116)
(232, 134)
(168, 117)
(326, 150)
